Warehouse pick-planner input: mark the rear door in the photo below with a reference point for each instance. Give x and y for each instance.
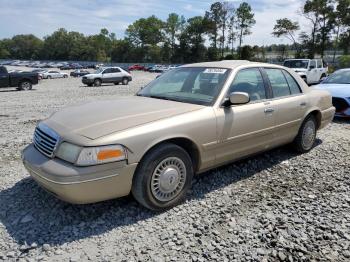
(246, 129)
(117, 75)
(289, 104)
(4, 77)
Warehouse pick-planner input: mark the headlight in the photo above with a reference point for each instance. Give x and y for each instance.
(68, 152)
(99, 155)
(88, 156)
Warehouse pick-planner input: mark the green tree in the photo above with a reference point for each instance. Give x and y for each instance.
(172, 27)
(25, 47)
(244, 22)
(343, 14)
(287, 28)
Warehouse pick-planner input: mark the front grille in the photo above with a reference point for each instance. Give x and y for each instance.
(340, 104)
(45, 140)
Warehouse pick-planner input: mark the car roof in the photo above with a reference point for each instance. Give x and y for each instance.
(232, 64)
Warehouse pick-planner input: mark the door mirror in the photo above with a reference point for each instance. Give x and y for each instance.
(239, 98)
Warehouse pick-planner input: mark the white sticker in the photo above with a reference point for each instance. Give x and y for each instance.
(215, 71)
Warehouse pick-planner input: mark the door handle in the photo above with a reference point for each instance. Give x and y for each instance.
(303, 104)
(269, 110)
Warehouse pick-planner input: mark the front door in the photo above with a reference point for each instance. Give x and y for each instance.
(312, 76)
(245, 129)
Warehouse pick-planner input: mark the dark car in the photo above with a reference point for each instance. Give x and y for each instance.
(23, 80)
(79, 73)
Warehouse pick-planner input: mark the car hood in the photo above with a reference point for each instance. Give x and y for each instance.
(101, 118)
(92, 75)
(337, 90)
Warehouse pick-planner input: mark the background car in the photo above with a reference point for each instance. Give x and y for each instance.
(338, 84)
(114, 75)
(136, 67)
(54, 74)
(78, 73)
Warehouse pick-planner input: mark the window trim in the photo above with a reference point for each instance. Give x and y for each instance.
(267, 92)
(270, 86)
(295, 81)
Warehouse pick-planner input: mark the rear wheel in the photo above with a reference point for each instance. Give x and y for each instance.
(97, 82)
(163, 177)
(117, 83)
(125, 81)
(65, 76)
(25, 85)
(306, 137)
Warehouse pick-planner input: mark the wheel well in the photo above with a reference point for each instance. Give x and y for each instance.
(318, 116)
(24, 80)
(97, 79)
(188, 145)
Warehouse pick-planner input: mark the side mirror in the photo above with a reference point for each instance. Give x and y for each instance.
(237, 98)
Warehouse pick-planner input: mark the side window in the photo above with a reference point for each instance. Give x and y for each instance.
(293, 85)
(107, 71)
(278, 82)
(116, 70)
(312, 64)
(319, 63)
(251, 82)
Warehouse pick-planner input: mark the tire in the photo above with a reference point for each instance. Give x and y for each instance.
(25, 85)
(116, 83)
(167, 162)
(65, 76)
(97, 82)
(49, 77)
(125, 81)
(306, 137)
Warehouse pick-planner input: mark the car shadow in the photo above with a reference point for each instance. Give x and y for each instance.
(15, 90)
(341, 120)
(31, 215)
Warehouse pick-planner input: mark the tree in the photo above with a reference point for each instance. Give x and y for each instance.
(244, 21)
(287, 28)
(343, 14)
(319, 13)
(213, 20)
(25, 47)
(172, 27)
(145, 31)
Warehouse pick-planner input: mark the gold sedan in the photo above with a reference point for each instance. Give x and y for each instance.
(191, 119)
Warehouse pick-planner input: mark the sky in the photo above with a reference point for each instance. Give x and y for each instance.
(42, 17)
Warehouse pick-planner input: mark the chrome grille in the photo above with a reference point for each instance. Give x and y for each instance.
(45, 140)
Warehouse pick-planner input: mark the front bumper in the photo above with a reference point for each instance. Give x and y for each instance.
(78, 185)
(87, 81)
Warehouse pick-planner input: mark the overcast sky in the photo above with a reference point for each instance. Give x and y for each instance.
(42, 17)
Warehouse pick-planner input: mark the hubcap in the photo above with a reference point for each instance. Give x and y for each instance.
(25, 85)
(168, 179)
(309, 134)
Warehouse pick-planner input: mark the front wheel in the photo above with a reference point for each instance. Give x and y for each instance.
(306, 137)
(125, 81)
(97, 82)
(163, 177)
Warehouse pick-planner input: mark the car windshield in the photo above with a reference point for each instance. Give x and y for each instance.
(98, 71)
(196, 85)
(338, 77)
(296, 63)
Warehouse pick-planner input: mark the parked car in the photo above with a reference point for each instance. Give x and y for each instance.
(79, 73)
(313, 71)
(338, 84)
(114, 75)
(23, 80)
(54, 74)
(191, 119)
(136, 67)
(40, 72)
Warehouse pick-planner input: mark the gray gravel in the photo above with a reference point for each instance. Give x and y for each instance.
(277, 206)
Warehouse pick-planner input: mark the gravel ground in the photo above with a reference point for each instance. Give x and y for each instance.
(277, 206)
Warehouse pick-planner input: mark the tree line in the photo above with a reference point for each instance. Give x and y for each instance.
(212, 36)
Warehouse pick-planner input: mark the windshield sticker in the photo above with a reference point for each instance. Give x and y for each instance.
(215, 71)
